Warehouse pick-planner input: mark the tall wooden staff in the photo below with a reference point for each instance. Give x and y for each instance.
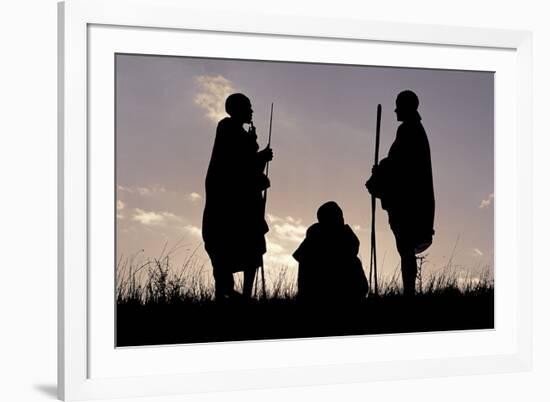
(373, 268)
(265, 195)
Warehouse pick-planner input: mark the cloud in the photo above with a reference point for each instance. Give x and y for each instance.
(194, 197)
(273, 247)
(143, 191)
(277, 255)
(290, 230)
(282, 240)
(166, 221)
(273, 218)
(149, 191)
(193, 231)
(478, 252)
(292, 220)
(487, 202)
(213, 90)
(151, 218)
(277, 260)
(119, 207)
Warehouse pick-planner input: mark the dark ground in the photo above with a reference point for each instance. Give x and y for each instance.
(193, 322)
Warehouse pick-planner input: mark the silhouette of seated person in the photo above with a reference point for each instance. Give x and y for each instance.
(403, 181)
(233, 226)
(329, 270)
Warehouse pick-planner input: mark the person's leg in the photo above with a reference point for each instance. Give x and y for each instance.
(223, 278)
(408, 266)
(248, 282)
(409, 269)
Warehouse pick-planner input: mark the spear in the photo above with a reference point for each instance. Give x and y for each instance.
(265, 195)
(373, 268)
(269, 146)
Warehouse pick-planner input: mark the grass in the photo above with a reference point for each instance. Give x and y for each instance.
(155, 281)
(161, 304)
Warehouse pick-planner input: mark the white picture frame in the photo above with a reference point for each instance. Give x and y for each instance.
(80, 377)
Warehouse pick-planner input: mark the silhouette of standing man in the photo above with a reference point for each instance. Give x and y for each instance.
(403, 181)
(233, 226)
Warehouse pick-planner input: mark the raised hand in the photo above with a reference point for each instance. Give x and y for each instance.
(266, 154)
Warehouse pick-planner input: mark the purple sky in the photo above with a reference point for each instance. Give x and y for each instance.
(323, 140)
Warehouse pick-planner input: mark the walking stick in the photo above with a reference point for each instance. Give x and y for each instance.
(265, 195)
(373, 268)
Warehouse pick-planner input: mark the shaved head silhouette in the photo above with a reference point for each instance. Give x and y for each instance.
(407, 100)
(236, 103)
(406, 106)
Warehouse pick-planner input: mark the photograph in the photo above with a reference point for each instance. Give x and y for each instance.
(265, 200)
